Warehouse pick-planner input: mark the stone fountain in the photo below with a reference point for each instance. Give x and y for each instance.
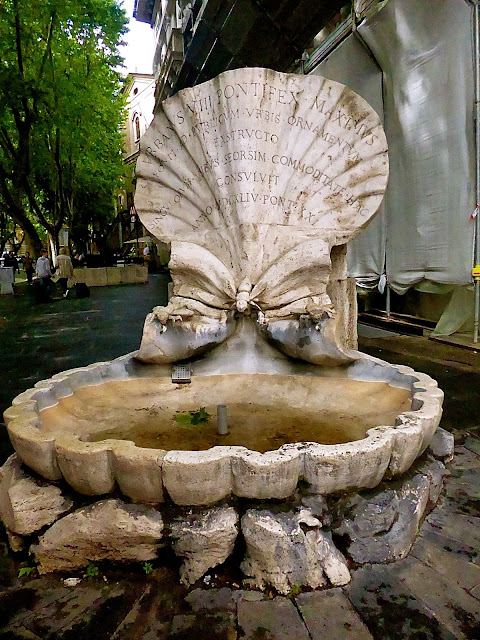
(257, 180)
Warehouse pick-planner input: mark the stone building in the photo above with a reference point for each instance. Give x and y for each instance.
(139, 90)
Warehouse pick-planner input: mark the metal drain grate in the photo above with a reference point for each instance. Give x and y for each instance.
(181, 373)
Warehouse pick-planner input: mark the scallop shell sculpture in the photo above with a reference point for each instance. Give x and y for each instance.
(252, 178)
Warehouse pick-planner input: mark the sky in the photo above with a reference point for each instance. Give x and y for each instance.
(140, 46)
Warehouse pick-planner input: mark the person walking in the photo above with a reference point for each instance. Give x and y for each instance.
(27, 262)
(146, 256)
(44, 276)
(64, 270)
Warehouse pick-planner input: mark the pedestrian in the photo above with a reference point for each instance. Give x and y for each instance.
(44, 276)
(14, 262)
(7, 260)
(64, 270)
(27, 262)
(80, 258)
(146, 255)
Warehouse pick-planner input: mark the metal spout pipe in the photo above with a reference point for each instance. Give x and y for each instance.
(222, 420)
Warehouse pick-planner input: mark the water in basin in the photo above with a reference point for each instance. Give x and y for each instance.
(265, 411)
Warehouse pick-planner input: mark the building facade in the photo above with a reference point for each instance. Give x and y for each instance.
(139, 90)
(198, 39)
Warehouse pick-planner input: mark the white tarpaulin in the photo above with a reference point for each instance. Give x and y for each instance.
(425, 51)
(366, 253)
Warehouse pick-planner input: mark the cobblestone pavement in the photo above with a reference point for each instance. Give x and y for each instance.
(432, 594)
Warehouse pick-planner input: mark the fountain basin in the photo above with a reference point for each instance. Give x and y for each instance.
(86, 425)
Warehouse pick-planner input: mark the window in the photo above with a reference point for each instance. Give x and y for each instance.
(136, 125)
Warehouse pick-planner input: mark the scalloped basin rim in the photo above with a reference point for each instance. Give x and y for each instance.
(204, 477)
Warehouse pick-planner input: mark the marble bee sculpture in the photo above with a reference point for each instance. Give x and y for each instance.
(252, 178)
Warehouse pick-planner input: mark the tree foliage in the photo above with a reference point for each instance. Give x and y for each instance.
(60, 112)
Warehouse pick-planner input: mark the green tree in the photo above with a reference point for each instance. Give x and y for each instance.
(60, 111)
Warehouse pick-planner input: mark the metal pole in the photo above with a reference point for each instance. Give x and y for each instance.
(387, 286)
(476, 62)
(222, 419)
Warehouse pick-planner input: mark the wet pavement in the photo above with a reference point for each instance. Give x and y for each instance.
(432, 594)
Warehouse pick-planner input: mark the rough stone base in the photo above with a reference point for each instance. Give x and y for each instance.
(290, 544)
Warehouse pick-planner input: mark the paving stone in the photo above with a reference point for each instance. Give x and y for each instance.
(475, 592)
(149, 618)
(15, 600)
(452, 606)
(218, 626)
(248, 596)
(465, 458)
(473, 444)
(464, 485)
(181, 623)
(447, 563)
(330, 615)
(389, 609)
(276, 619)
(459, 498)
(212, 600)
(444, 543)
(86, 611)
(465, 529)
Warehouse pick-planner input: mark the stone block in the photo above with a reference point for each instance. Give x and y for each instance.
(114, 275)
(141, 274)
(7, 280)
(383, 527)
(281, 554)
(129, 274)
(106, 530)
(442, 444)
(27, 503)
(204, 540)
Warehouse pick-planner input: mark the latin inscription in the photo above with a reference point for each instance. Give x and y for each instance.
(245, 152)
